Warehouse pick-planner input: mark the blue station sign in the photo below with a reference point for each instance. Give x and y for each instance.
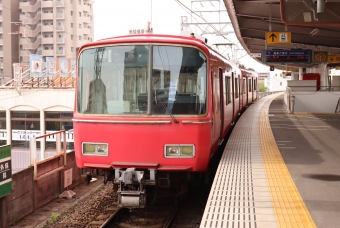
(287, 56)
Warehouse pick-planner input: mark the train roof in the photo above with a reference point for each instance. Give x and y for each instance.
(154, 38)
(248, 72)
(187, 38)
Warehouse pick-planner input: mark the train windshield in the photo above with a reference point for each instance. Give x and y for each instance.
(142, 79)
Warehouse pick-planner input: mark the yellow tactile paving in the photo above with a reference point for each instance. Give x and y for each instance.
(289, 208)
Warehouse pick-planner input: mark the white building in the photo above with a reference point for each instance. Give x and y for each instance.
(35, 112)
(275, 80)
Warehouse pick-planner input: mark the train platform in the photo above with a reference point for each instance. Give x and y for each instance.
(43, 215)
(278, 170)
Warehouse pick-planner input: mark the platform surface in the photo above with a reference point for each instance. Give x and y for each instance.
(278, 170)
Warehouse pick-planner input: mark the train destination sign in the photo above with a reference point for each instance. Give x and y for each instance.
(5, 170)
(287, 56)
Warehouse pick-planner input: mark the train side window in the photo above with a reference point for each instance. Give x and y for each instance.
(227, 90)
(249, 85)
(236, 88)
(244, 86)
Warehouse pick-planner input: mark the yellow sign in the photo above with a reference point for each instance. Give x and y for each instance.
(333, 58)
(290, 68)
(278, 37)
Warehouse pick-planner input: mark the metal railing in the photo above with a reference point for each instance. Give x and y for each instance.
(292, 104)
(59, 153)
(42, 82)
(315, 88)
(337, 109)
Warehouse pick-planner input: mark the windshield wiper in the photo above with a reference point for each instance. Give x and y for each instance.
(165, 108)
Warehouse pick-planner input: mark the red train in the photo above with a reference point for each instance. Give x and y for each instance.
(152, 110)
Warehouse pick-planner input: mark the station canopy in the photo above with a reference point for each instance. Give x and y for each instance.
(296, 33)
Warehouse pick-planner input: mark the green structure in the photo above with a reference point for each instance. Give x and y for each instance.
(5, 170)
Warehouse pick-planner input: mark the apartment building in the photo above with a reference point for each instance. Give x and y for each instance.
(55, 28)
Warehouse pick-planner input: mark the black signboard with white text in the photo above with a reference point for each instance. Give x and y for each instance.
(287, 56)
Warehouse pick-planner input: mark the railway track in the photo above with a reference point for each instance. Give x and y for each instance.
(100, 209)
(163, 214)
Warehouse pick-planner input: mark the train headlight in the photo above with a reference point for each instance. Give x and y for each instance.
(96, 149)
(179, 151)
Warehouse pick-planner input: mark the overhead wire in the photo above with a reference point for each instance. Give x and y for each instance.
(209, 24)
(213, 27)
(200, 16)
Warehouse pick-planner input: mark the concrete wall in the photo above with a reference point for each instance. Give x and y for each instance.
(315, 102)
(302, 85)
(28, 195)
(48, 188)
(336, 83)
(20, 202)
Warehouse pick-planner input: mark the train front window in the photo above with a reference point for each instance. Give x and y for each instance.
(179, 84)
(115, 80)
(110, 79)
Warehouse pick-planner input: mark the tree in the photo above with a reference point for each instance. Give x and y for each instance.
(262, 88)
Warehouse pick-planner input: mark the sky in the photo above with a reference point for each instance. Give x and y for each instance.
(116, 17)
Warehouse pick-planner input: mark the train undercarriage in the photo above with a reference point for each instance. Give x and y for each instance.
(133, 185)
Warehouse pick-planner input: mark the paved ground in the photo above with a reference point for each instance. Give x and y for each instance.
(310, 147)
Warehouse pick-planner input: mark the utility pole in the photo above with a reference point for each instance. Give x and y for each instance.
(19, 23)
(17, 67)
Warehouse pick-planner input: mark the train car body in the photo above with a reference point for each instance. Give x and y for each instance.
(151, 105)
(249, 90)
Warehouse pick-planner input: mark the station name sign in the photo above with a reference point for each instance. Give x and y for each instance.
(5, 170)
(287, 56)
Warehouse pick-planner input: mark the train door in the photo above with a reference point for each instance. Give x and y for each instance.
(244, 96)
(221, 114)
(250, 98)
(237, 96)
(252, 90)
(228, 110)
(246, 91)
(215, 108)
(255, 88)
(233, 95)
